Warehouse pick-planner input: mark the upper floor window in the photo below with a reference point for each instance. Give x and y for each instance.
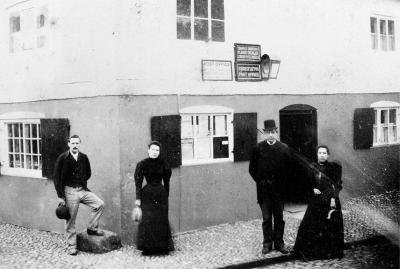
(382, 34)
(200, 20)
(28, 28)
(386, 125)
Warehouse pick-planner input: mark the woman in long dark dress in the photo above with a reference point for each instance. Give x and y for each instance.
(320, 235)
(154, 234)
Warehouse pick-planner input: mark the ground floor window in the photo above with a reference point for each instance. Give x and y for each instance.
(206, 137)
(386, 123)
(21, 154)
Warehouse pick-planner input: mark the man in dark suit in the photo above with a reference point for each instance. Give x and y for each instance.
(71, 172)
(268, 167)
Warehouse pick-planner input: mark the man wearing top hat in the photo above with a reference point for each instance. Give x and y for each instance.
(268, 167)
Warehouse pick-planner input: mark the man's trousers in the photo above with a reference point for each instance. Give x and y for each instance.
(75, 196)
(272, 206)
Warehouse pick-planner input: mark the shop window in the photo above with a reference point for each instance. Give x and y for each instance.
(382, 34)
(205, 134)
(201, 20)
(30, 146)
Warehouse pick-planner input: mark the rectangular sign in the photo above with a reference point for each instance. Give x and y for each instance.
(247, 53)
(247, 72)
(216, 70)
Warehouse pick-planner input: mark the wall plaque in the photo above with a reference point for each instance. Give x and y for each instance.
(247, 53)
(248, 72)
(216, 70)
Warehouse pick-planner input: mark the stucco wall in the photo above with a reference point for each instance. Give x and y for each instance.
(31, 201)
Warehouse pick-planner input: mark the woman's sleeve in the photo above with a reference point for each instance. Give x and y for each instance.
(166, 176)
(139, 175)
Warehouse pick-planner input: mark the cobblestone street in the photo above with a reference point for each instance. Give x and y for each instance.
(235, 245)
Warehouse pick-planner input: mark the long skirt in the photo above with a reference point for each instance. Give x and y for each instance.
(319, 237)
(154, 234)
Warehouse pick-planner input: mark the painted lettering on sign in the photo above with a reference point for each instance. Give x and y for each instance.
(247, 53)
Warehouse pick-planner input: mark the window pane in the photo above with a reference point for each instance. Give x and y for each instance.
(17, 161)
(385, 134)
(203, 126)
(375, 116)
(38, 130)
(28, 146)
(21, 142)
(40, 162)
(201, 8)
(28, 161)
(217, 9)
(40, 41)
(34, 146)
(16, 130)
(183, 7)
(10, 145)
(15, 24)
(382, 27)
(183, 28)
(187, 149)
(11, 160)
(375, 134)
(202, 148)
(373, 25)
(220, 125)
(34, 131)
(9, 127)
(40, 20)
(391, 27)
(384, 117)
(392, 116)
(35, 162)
(40, 146)
(200, 29)
(383, 42)
(186, 127)
(218, 31)
(27, 130)
(16, 144)
(392, 43)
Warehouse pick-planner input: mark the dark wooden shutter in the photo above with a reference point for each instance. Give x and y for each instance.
(54, 134)
(363, 128)
(167, 130)
(244, 134)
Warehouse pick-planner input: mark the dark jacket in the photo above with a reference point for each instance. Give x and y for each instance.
(269, 167)
(63, 170)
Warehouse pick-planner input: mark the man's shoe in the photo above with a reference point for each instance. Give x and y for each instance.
(266, 250)
(73, 251)
(95, 232)
(282, 249)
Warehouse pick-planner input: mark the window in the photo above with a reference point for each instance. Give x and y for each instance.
(30, 145)
(22, 150)
(382, 34)
(386, 125)
(28, 28)
(200, 20)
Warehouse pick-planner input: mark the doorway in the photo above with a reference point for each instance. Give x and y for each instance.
(298, 129)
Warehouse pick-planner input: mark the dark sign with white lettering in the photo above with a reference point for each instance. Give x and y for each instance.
(248, 71)
(247, 53)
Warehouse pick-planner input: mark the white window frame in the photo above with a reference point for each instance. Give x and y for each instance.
(29, 35)
(211, 111)
(377, 128)
(209, 20)
(16, 117)
(383, 41)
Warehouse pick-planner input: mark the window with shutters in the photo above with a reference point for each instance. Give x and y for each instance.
(382, 33)
(200, 20)
(21, 147)
(28, 27)
(386, 127)
(206, 135)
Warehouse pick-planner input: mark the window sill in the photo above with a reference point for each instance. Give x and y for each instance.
(204, 162)
(19, 173)
(385, 145)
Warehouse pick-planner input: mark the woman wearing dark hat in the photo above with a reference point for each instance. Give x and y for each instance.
(320, 234)
(154, 234)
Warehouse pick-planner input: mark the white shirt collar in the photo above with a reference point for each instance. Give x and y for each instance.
(271, 143)
(75, 155)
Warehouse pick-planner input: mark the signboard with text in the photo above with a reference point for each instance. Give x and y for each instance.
(216, 70)
(248, 72)
(247, 53)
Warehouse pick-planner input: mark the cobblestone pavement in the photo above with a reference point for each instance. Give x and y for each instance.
(218, 246)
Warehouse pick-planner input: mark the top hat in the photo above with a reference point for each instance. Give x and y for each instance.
(62, 212)
(269, 125)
